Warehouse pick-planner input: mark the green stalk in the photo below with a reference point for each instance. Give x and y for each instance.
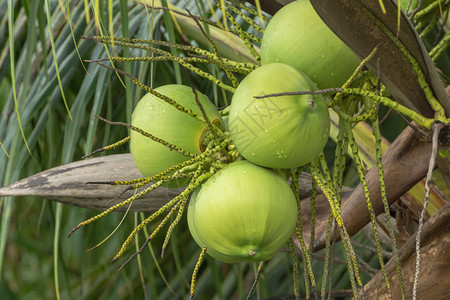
(377, 135)
(419, 119)
(363, 181)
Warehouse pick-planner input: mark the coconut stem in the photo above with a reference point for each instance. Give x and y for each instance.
(151, 236)
(195, 272)
(108, 147)
(258, 274)
(194, 54)
(360, 169)
(150, 136)
(179, 60)
(190, 188)
(335, 209)
(240, 32)
(294, 268)
(230, 75)
(112, 208)
(295, 174)
(247, 19)
(378, 152)
(419, 119)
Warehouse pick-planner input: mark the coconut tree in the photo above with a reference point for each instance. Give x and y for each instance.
(63, 63)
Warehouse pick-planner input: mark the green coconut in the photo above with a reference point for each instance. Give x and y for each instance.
(164, 121)
(242, 213)
(297, 36)
(278, 132)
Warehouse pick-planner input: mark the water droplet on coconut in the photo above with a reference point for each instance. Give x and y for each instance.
(280, 154)
(323, 55)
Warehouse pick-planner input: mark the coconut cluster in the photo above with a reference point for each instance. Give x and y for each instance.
(247, 211)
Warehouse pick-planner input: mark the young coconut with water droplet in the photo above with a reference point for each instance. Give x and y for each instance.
(242, 213)
(297, 36)
(280, 131)
(164, 121)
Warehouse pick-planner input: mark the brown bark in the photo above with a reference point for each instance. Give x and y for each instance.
(434, 276)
